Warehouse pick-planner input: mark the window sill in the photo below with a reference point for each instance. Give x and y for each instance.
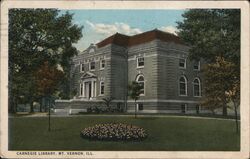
(182, 68)
(101, 95)
(140, 67)
(183, 95)
(101, 69)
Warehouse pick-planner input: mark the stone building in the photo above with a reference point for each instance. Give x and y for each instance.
(155, 59)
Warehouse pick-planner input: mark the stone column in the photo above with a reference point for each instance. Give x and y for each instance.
(95, 87)
(83, 87)
(92, 89)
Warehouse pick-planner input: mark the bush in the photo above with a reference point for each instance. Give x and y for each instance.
(114, 131)
(89, 110)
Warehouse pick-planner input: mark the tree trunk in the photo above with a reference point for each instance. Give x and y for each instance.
(135, 110)
(40, 103)
(31, 107)
(224, 111)
(49, 113)
(12, 105)
(236, 118)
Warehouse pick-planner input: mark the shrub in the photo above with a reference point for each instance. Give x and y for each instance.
(114, 131)
(97, 110)
(89, 110)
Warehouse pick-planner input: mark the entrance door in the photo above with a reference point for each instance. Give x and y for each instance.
(89, 89)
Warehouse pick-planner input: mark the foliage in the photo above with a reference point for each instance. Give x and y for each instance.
(97, 110)
(114, 131)
(135, 89)
(233, 95)
(47, 79)
(35, 36)
(219, 81)
(107, 102)
(214, 36)
(211, 33)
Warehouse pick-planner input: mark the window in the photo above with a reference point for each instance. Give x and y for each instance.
(140, 62)
(197, 87)
(102, 64)
(197, 107)
(182, 63)
(183, 86)
(140, 81)
(101, 88)
(140, 106)
(92, 65)
(82, 67)
(92, 50)
(183, 108)
(197, 65)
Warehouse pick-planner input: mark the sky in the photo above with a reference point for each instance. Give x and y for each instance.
(100, 24)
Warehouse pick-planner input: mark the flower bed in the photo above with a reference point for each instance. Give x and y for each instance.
(114, 131)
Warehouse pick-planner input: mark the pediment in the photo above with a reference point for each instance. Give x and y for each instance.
(88, 75)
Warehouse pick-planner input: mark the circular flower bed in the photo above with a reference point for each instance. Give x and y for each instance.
(114, 131)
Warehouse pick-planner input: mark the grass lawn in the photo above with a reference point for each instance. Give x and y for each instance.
(165, 134)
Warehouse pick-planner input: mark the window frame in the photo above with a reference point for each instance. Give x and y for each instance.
(101, 62)
(81, 90)
(199, 66)
(185, 63)
(140, 105)
(137, 63)
(184, 111)
(144, 83)
(100, 92)
(82, 66)
(186, 90)
(199, 84)
(90, 65)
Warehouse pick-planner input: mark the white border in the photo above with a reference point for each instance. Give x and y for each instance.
(244, 5)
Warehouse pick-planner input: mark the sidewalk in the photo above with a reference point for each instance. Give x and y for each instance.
(122, 115)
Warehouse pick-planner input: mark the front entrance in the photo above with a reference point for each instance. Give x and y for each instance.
(89, 86)
(88, 89)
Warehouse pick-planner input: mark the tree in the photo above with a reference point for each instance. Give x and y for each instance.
(218, 94)
(213, 34)
(107, 102)
(47, 80)
(219, 79)
(35, 36)
(135, 89)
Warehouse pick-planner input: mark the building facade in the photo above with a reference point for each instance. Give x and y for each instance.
(155, 59)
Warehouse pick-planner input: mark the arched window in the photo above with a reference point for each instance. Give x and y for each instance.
(183, 86)
(197, 87)
(140, 80)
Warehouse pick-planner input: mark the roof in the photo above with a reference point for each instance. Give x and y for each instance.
(126, 41)
(117, 38)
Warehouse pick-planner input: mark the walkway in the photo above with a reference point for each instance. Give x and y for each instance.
(124, 115)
